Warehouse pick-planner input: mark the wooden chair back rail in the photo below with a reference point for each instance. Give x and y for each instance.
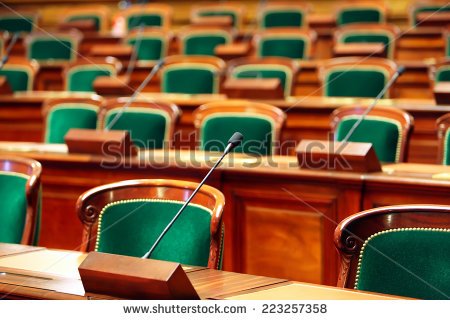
(214, 61)
(442, 125)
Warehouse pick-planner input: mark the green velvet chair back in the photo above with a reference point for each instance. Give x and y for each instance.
(13, 23)
(148, 15)
(153, 46)
(19, 197)
(443, 131)
(283, 16)
(46, 48)
(426, 8)
(190, 78)
(63, 116)
(446, 156)
(353, 77)
(82, 77)
(442, 73)
(399, 250)
(383, 133)
(263, 71)
(130, 215)
(20, 77)
(147, 20)
(293, 45)
(203, 42)
(360, 14)
(235, 11)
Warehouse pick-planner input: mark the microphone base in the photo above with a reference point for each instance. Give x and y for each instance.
(337, 156)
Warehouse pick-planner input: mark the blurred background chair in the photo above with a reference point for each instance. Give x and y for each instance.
(148, 15)
(196, 41)
(20, 73)
(55, 47)
(290, 14)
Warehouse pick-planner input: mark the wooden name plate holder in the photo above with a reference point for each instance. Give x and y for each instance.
(113, 86)
(268, 88)
(135, 278)
(232, 51)
(86, 25)
(114, 143)
(433, 19)
(4, 86)
(360, 50)
(120, 51)
(442, 92)
(212, 21)
(335, 156)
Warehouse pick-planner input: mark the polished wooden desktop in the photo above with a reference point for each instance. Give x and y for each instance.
(275, 212)
(44, 273)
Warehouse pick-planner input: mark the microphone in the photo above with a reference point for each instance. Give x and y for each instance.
(134, 56)
(397, 74)
(233, 142)
(11, 44)
(135, 94)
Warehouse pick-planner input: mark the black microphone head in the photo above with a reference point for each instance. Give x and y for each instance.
(236, 139)
(400, 70)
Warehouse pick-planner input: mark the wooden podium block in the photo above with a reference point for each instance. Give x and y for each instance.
(251, 88)
(114, 143)
(336, 156)
(433, 19)
(442, 92)
(360, 50)
(135, 278)
(213, 21)
(232, 51)
(4, 86)
(113, 86)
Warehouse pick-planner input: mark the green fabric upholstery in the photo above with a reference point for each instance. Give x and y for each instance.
(37, 229)
(283, 18)
(150, 49)
(18, 78)
(430, 8)
(203, 44)
(263, 72)
(412, 263)
(257, 130)
(283, 47)
(447, 46)
(359, 15)
(364, 83)
(82, 78)
(148, 128)
(146, 20)
(225, 13)
(14, 206)
(67, 116)
(189, 79)
(384, 134)
(371, 37)
(141, 222)
(446, 159)
(51, 49)
(16, 24)
(92, 17)
(442, 74)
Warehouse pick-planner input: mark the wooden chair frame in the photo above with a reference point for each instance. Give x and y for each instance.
(31, 67)
(354, 63)
(32, 169)
(188, 32)
(353, 231)
(442, 125)
(238, 9)
(404, 119)
(416, 5)
(91, 203)
(154, 33)
(362, 5)
(277, 116)
(23, 13)
(162, 9)
(100, 11)
(305, 8)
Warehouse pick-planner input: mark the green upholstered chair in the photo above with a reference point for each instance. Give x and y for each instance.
(151, 44)
(148, 15)
(285, 42)
(260, 124)
(20, 74)
(440, 71)
(126, 218)
(195, 41)
(269, 67)
(274, 15)
(191, 74)
(151, 123)
(26, 22)
(356, 77)
(235, 11)
(64, 114)
(360, 13)
(387, 128)
(369, 33)
(45, 47)
(80, 75)
(20, 185)
(100, 16)
(428, 7)
(443, 128)
(400, 250)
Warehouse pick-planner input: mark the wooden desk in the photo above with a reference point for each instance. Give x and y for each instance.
(308, 118)
(275, 212)
(31, 275)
